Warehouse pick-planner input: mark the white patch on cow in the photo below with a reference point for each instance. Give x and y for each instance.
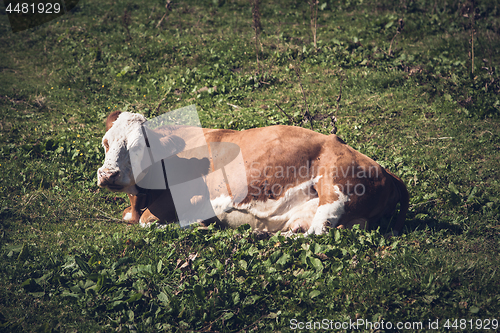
(298, 204)
(221, 204)
(127, 217)
(328, 213)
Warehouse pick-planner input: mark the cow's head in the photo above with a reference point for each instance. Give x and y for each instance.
(124, 142)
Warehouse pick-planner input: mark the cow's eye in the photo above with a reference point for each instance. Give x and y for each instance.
(134, 145)
(106, 145)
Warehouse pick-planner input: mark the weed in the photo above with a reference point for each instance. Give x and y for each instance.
(257, 28)
(313, 5)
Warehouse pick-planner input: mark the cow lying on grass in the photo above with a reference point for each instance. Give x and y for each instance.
(297, 180)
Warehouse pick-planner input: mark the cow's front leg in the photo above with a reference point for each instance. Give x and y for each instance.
(133, 213)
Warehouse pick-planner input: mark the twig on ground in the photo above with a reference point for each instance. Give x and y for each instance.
(398, 31)
(126, 23)
(159, 104)
(313, 5)
(289, 118)
(423, 203)
(339, 98)
(257, 28)
(307, 114)
(234, 106)
(442, 138)
(168, 8)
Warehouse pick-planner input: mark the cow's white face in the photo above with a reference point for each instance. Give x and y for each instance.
(123, 141)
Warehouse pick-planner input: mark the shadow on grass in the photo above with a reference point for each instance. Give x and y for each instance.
(418, 221)
(414, 222)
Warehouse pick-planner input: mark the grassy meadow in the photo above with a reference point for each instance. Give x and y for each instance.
(412, 84)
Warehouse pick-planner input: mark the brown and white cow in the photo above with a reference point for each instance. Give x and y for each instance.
(296, 179)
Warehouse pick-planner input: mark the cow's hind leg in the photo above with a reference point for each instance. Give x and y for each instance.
(330, 208)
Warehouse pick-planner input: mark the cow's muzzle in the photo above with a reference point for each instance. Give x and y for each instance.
(108, 178)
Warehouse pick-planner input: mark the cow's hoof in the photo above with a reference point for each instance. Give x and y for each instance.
(292, 234)
(316, 230)
(148, 223)
(259, 234)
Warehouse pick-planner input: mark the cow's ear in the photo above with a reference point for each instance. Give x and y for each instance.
(173, 143)
(111, 119)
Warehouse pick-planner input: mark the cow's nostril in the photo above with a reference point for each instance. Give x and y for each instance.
(113, 174)
(107, 175)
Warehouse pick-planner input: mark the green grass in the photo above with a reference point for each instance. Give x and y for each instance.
(68, 266)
